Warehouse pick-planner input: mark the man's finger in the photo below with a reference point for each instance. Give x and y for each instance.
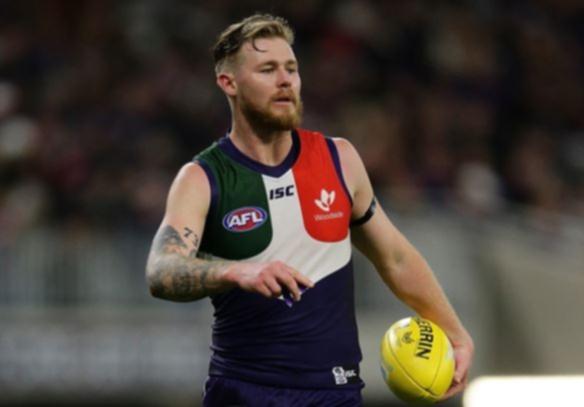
(462, 365)
(274, 287)
(264, 290)
(452, 391)
(455, 388)
(290, 283)
(301, 278)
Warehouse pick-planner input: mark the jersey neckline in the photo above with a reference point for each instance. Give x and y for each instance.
(227, 146)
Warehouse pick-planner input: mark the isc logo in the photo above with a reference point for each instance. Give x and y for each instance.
(281, 192)
(244, 219)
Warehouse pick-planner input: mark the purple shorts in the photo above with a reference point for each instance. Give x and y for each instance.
(227, 392)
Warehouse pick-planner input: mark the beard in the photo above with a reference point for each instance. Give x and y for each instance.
(265, 120)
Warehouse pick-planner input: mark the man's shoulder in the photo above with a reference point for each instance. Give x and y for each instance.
(316, 134)
(213, 157)
(309, 134)
(207, 152)
(313, 138)
(344, 146)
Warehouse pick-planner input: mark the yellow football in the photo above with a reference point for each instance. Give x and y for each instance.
(417, 361)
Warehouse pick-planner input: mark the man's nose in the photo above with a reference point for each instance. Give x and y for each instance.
(284, 78)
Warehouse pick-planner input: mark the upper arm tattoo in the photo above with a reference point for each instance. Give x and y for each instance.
(168, 240)
(194, 240)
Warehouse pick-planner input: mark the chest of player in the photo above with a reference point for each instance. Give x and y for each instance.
(255, 213)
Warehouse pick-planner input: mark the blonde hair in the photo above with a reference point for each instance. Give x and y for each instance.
(249, 29)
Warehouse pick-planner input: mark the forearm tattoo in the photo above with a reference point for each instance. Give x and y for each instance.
(175, 273)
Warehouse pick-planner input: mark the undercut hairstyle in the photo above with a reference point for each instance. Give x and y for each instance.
(249, 29)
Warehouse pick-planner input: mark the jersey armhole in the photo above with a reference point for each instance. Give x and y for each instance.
(337, 162)
(212, 184)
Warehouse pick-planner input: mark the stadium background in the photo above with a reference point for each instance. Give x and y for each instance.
(468, 115)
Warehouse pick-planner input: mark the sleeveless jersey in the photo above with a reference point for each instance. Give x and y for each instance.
(297, 212)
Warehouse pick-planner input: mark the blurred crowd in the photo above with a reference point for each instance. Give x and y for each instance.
(473, 105)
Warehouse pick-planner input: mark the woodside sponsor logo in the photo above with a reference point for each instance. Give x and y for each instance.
(326, 200)
(324, 204)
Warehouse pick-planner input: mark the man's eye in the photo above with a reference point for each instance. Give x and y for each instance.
(267, 70)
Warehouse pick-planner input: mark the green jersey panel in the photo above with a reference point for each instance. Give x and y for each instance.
(238, 225)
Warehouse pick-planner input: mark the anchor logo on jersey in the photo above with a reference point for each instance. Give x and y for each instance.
(326, 200)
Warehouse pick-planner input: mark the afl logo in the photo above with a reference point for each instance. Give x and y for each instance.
(245, 219)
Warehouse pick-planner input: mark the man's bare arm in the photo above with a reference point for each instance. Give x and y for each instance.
(402, 267)
(174, 272)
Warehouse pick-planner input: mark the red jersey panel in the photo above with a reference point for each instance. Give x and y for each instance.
(326, 208)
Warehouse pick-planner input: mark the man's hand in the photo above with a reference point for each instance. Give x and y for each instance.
(270, 279)
(463, 355)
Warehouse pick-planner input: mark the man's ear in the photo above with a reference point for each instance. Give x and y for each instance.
(226, 81)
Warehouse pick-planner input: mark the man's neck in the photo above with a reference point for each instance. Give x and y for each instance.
(266, 147)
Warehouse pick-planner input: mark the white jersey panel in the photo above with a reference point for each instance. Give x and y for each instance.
(291, 243)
